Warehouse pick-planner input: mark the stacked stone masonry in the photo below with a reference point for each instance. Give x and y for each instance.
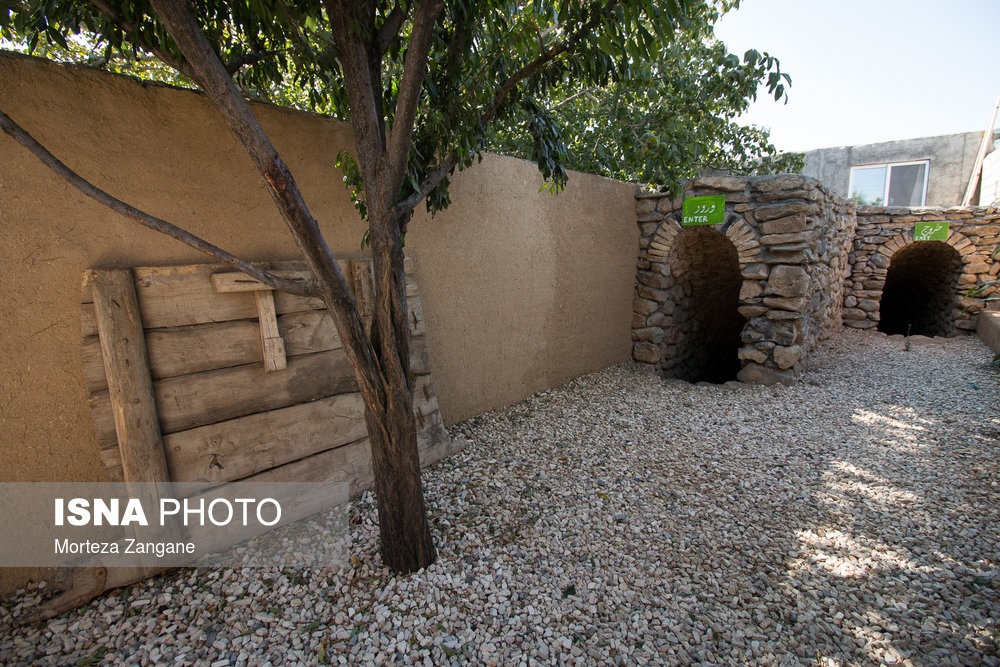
(900, 285)
(748, 298)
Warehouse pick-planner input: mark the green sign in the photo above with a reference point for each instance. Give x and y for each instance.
(931, 231)
(704, 210)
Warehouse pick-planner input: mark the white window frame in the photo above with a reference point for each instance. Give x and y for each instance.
(888, 177)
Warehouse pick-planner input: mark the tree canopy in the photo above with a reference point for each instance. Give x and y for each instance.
(673, 117)
(659, 104)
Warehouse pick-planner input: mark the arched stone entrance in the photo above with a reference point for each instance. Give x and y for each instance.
(886, 237)
(919, 296)
(747, 298)
(707, 271)
(687, 318)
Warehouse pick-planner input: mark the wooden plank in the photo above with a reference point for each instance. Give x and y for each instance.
(424, 398)
(241, 282)
(112, 461)
(203, 311)
(194, 349)
(88, 583)
(270, 340)
(288, 269)
(205, 398)
(204, 347)
(416, 316)
(425, 405)
(130, 390)
(314, 376)
(434, 443)
(420, 363)
(107, 440)
(190, 401)
(104, 421)
(362, 284)
(183, 295)
(346, 463)
(353, 462)
(237, 448)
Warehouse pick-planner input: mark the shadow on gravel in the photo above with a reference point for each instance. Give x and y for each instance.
(899, 564)
(851, 519)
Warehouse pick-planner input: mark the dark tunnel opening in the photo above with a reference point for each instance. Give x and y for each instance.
(708, 271)
(919, 294)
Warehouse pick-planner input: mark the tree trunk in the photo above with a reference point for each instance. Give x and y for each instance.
(381, 361)
(406, 540)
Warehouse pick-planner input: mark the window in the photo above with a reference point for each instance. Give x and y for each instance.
(894, 184)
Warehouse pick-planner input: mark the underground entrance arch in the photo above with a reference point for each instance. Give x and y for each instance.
(707, 270)
(688, 300)
(919, 296)
(774, 273)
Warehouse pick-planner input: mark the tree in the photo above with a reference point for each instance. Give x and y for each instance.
(672, 118)
(421, 82)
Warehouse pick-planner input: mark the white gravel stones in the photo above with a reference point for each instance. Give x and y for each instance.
(619, 519)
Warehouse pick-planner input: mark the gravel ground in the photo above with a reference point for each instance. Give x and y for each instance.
(619, 519)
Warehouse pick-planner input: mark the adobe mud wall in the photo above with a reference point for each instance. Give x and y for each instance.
(521, 290)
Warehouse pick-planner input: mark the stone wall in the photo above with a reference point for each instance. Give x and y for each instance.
(897, 283)
(750, 297)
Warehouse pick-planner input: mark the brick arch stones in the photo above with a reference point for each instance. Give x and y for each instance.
(696, 281)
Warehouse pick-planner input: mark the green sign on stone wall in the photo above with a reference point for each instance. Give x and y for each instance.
(931, 231)
(704, 210)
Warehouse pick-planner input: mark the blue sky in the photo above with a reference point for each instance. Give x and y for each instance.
(872, 70)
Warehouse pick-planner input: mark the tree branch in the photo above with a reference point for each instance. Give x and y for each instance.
(390, 29)
(398, 149)
(236, 64)
(16, 132)
(212, 77)
(587, 92)
(437, 175)
(301, 30)
(365, 101)
(456, 52)
(131, 29)
(549, 55)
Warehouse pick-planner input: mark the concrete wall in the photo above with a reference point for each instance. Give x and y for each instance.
(521, 289)
(951, 158)
(989, 186)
